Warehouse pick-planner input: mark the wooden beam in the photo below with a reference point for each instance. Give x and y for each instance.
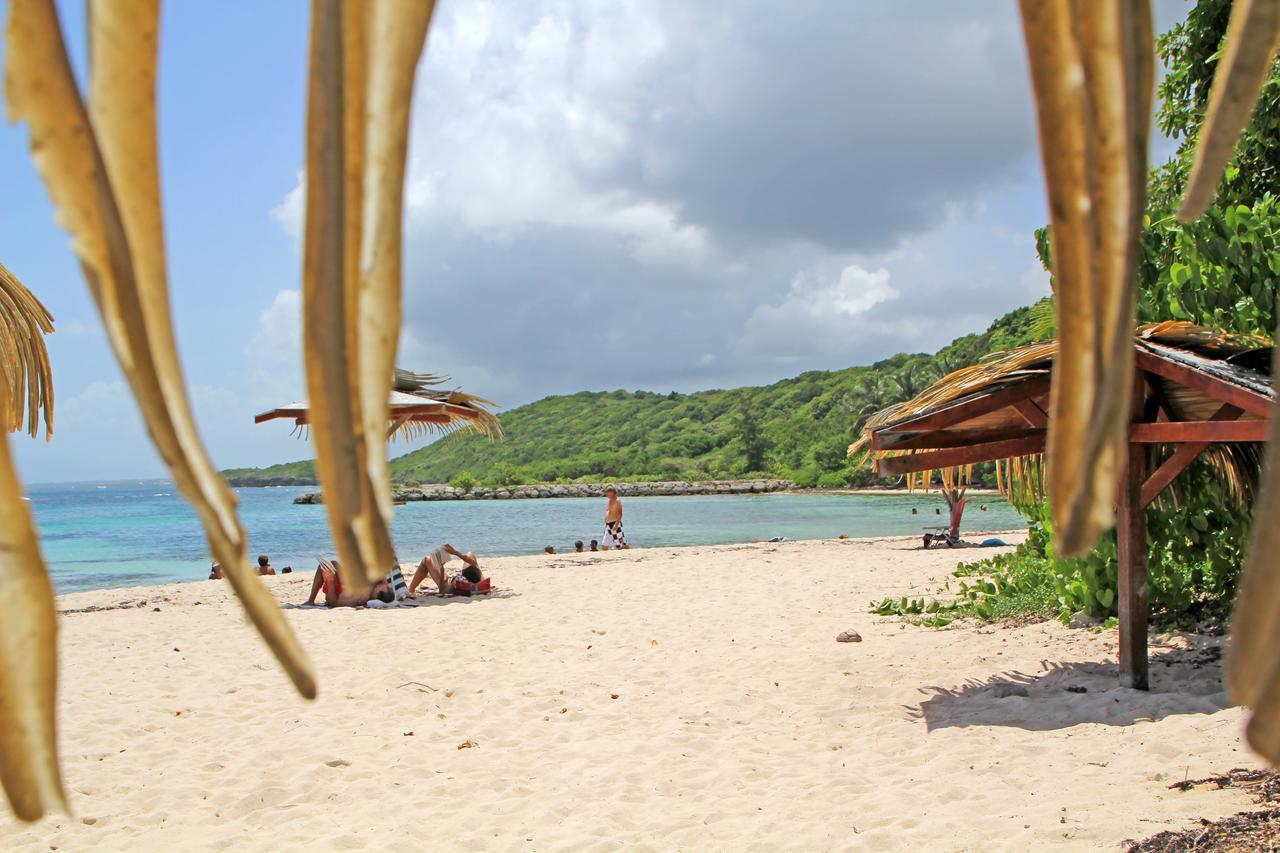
(1032, 413)
(396, 423)
(1157, 405)
(304, 420)
(935, 439)
(1181, 458)
(889, 466)
(1169, 471)
(1190, 432)
(1227, 392)
(972, 406)
(1131, 554)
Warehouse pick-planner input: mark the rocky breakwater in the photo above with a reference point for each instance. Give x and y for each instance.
(280, 480)
(441, 492)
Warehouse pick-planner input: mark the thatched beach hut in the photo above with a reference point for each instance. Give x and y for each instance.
(1197, 392)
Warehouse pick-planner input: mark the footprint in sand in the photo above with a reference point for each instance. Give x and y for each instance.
(338, 762)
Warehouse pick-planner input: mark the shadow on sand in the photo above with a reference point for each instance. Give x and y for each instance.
(1183, 681)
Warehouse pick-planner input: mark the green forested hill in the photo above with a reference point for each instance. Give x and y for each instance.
(798, 428)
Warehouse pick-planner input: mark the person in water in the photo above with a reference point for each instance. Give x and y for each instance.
(577, 546)
(613, 535)
(328, 580)
(550, 549)
(595, 545)
(433, 565)
(264, 565)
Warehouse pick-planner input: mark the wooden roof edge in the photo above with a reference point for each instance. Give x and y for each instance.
(998, 395)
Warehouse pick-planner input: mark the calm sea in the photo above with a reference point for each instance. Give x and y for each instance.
(101, 535)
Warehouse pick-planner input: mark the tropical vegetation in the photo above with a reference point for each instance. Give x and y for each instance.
(798, 428)
(1219, 271)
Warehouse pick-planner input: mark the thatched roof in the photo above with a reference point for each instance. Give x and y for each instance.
(417, 408)
(1236, 361)
(24, 360)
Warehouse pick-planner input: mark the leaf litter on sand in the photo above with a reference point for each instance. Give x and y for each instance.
(1252, 830)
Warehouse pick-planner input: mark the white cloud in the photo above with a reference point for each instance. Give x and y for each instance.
(817, 316)
(274, 353)
(640, 181)
(520, 113)
(288, 213)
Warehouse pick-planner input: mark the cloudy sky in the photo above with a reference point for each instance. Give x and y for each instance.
(602, 195)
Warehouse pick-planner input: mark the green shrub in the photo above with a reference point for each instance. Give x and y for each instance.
(833, 480)
(806, 477)
(464, 481)
(503, 474)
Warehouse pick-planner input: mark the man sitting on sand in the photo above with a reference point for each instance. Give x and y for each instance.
(264, 565)
(433, 565)
(215, 572)
(327, 579)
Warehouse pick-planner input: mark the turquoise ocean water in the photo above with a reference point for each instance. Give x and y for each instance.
(101, 535)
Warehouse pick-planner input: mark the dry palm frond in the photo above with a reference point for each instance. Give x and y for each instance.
(1092, 69)
(24, 360)
(102, 175)
(28, 643)
(28, 656)
(363, 58)
(1253, 665)
(408, 382)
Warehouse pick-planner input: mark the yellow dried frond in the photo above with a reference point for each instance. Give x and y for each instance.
(24, 359)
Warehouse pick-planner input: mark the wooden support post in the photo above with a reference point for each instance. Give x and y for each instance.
(1131, 552)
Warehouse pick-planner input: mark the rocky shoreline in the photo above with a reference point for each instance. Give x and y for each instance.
(442, 492)
(257, 481)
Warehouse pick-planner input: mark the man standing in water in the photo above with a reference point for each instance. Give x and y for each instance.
(613, 535)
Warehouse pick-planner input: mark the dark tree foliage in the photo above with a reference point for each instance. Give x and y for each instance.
(1190, 52)
(755, 444)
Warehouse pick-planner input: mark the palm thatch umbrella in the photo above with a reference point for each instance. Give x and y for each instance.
(417, 408)
(24, 361)
(1244, 359)
(1197, 393)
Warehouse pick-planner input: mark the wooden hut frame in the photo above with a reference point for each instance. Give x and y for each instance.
(1194, 390)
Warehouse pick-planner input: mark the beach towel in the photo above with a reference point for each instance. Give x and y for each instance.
(395, 580)
(462, 586)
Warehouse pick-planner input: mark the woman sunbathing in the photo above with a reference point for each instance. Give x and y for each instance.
(327, 579)
(433, 565)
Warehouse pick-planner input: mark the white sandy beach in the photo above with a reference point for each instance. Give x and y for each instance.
(668, 698)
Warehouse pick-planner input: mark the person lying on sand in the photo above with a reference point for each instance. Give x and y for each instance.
(433, 565)
(327, 579)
